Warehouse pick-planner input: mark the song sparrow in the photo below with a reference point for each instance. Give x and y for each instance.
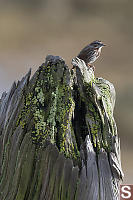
(91, 52)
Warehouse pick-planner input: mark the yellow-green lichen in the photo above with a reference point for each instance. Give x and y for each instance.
(99, 113)
(65, 110)
(49, 104)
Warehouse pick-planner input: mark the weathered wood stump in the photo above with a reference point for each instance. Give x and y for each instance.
(58, 137)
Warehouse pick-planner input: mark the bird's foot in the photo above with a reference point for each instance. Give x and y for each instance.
(78, 62)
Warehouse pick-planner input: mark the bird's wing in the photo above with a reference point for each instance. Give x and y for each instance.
(87, 53)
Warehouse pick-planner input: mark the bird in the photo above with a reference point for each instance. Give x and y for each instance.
(91, 52)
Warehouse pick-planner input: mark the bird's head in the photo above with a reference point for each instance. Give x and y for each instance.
(97, 44)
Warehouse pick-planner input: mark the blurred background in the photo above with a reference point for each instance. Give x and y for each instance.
(29, 30)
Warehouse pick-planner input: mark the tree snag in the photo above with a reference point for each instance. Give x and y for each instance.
(58, 136)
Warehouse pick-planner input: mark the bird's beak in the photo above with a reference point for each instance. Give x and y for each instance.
(104, 45)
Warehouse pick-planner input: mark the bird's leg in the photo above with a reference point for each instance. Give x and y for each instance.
(91, 66)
